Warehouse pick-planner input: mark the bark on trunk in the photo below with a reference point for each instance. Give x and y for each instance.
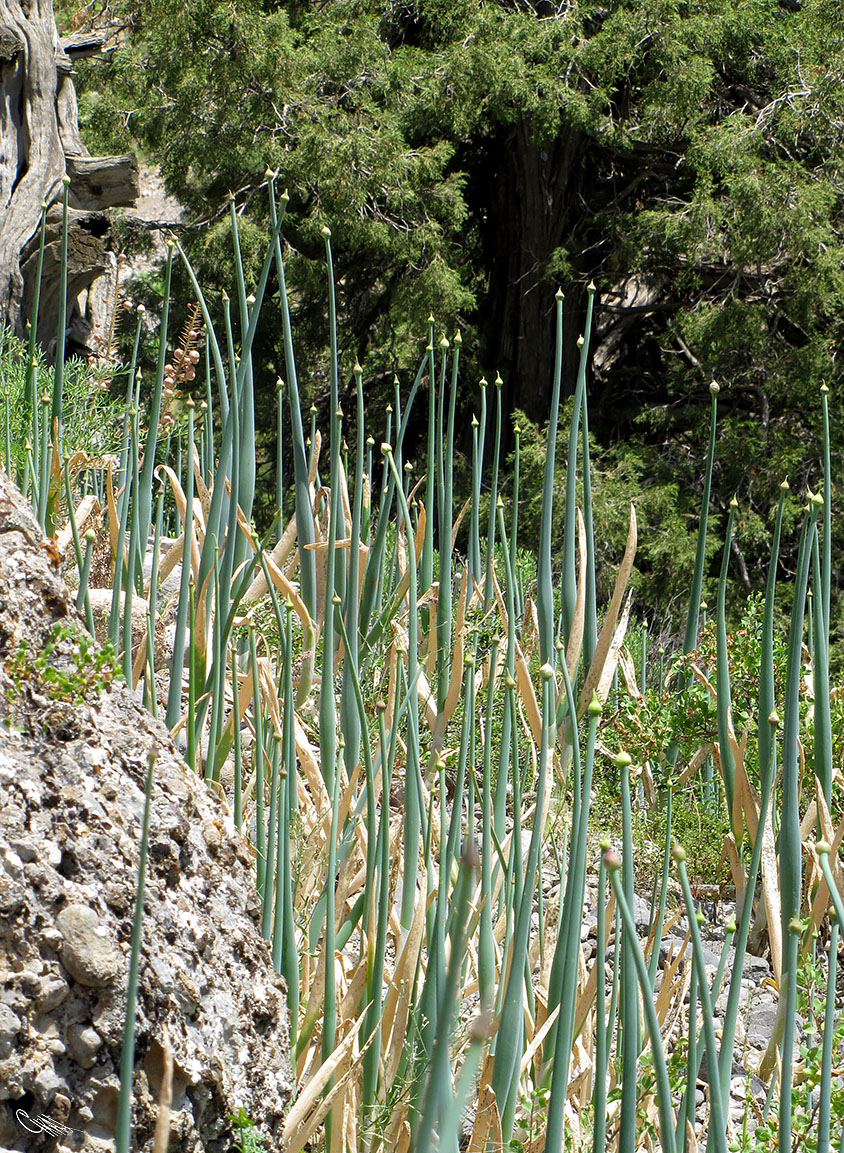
(39, 142)
(533, 208)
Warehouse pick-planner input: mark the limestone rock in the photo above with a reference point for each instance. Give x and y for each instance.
(71, 806)
(88, 954)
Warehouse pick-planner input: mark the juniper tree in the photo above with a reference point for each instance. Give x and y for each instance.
(471, 155)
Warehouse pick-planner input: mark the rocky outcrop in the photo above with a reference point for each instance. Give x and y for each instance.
(74, 750)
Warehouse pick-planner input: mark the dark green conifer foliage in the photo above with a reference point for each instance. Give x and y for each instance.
(469, 157)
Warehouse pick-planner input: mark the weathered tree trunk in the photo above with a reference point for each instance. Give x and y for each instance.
(39, 142)
(533, 208)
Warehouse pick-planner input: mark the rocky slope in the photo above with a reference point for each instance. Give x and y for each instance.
(74, 751)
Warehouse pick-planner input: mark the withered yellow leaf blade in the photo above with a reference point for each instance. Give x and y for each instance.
(605, 640)
(486, 1132)
(300, 1122)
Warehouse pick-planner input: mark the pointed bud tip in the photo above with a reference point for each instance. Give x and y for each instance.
(471, 856)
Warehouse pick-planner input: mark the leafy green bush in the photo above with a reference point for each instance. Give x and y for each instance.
(91, 417)
(68, 667)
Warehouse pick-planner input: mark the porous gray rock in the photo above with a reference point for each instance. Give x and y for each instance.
(88, 953)
(71, 808)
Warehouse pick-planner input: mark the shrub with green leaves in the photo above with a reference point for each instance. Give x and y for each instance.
(91, 416)
(69, 666)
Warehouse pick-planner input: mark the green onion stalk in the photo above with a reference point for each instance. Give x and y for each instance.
(564, 990)
(426, 561)
(663, 1088)
(570, 530)
(174, 696)
(716, 1134)
(327, 700)
(445, 515)
(493, 493)
(143, 494)
(57, 408)
(509, 1043)
(436, 1125)
(30, 386)
(790, 850)
(723, 694)
(696, 594)
(590, 632)
(413, 780)
(304, 512)
(599, 1095)
(545, 591)
(123, 1133)
(630, 1041)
